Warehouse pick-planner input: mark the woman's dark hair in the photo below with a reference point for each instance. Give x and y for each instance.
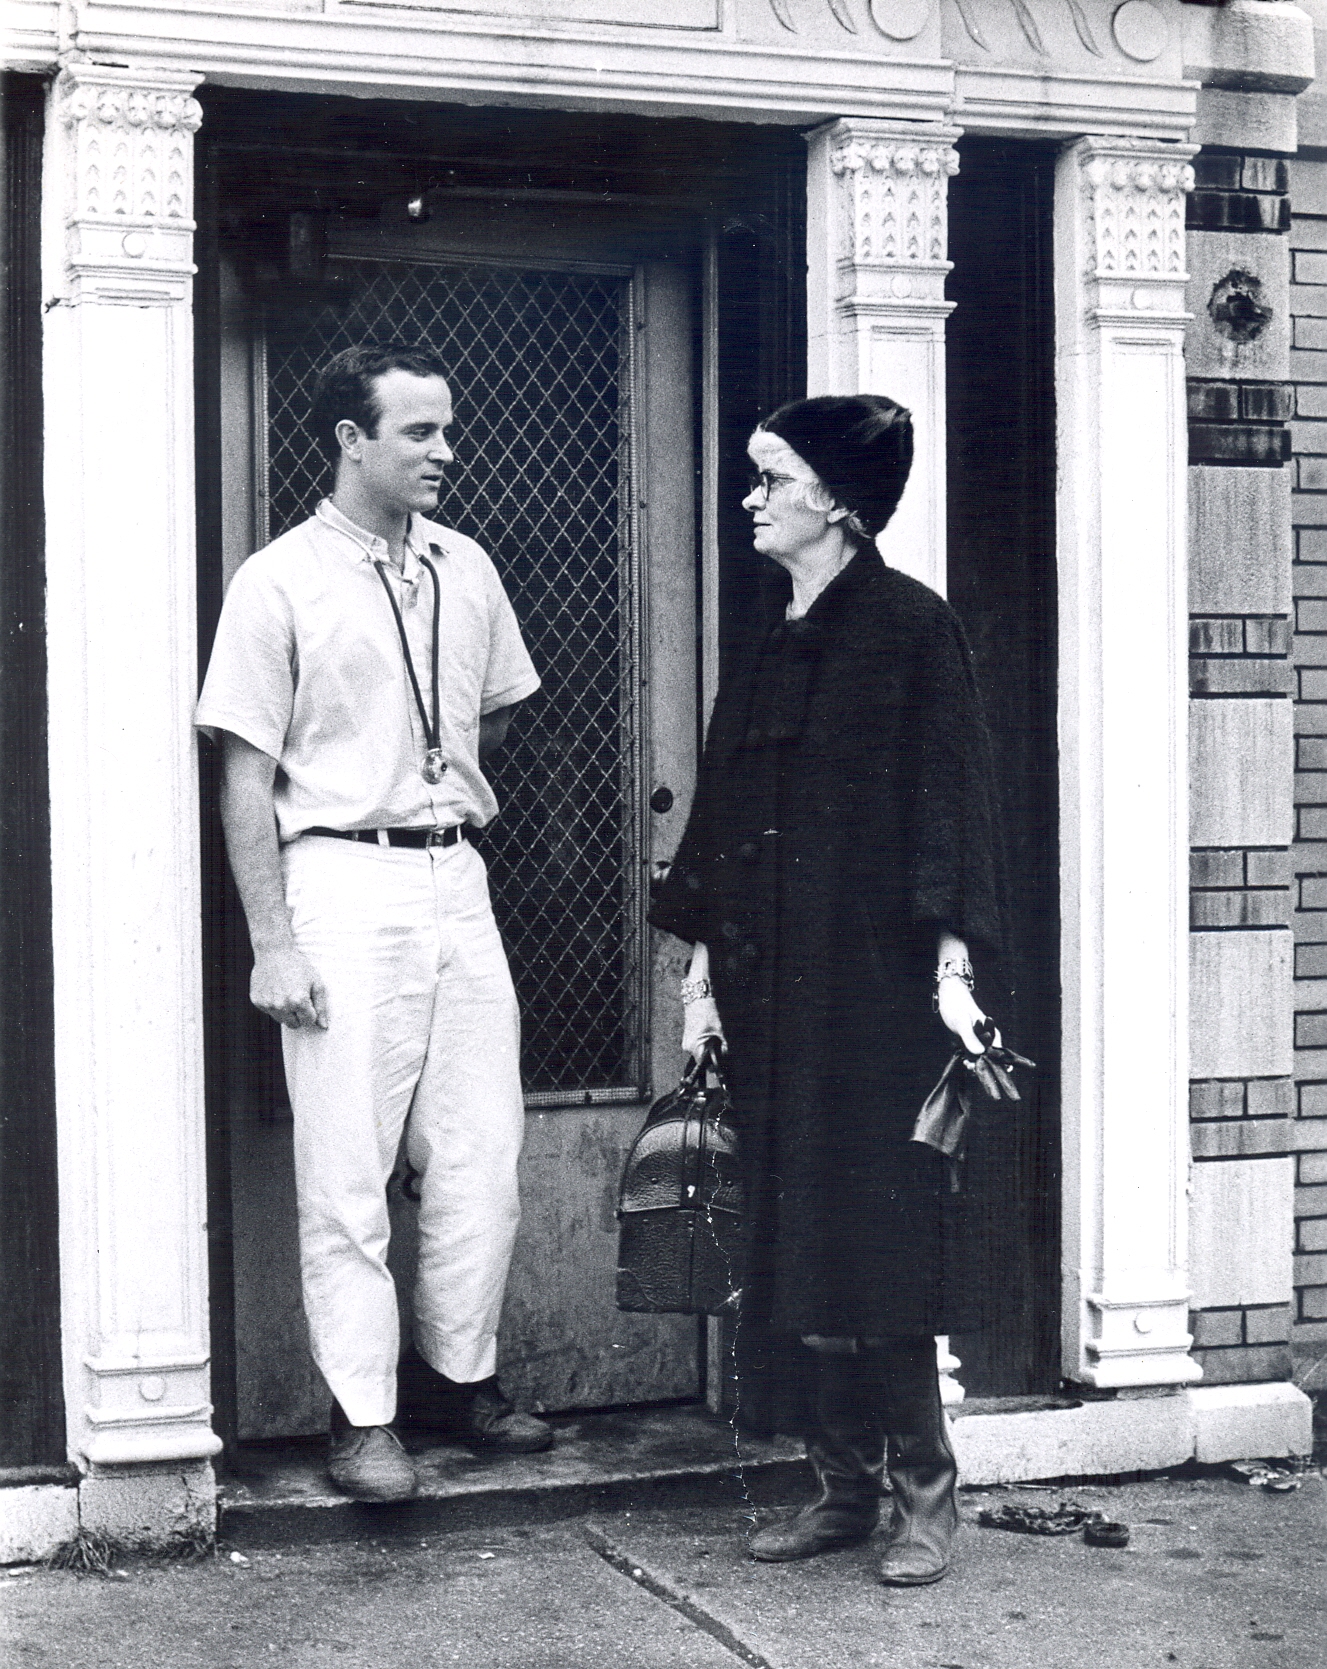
(860, 445)
(345, 392)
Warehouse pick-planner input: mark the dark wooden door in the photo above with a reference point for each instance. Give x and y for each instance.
(1000, 340)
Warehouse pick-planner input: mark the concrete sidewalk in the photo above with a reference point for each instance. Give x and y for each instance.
(1219, 1575)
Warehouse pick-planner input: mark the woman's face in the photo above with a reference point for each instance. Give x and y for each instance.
(785, 523)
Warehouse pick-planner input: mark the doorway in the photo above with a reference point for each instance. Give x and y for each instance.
(573, 313)
(1002, 583)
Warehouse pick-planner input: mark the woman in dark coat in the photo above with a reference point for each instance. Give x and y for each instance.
(836, 874)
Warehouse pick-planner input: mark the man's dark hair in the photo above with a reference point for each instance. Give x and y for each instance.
(345, 392)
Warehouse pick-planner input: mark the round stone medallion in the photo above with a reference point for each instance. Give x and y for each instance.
(1140, 30)
(901, 20)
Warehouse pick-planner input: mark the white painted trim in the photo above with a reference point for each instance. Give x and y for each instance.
(121, 633)
(734, 73)
(1122, 537)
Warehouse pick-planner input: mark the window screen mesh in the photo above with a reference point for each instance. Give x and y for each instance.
(540, 382)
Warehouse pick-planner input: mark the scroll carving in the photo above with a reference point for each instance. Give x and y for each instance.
(898, 214)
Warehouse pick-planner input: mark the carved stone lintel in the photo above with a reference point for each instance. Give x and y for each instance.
(129, 151)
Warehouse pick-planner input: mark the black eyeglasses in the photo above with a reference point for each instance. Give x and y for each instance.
(764, 481)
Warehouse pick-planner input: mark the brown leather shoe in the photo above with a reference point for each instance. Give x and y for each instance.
(368, 1463)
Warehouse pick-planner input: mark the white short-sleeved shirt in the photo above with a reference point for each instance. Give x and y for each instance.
(307, 666)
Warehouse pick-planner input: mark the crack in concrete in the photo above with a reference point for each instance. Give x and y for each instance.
(636, 1572)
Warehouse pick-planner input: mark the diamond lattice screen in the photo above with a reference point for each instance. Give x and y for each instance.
(540, 389)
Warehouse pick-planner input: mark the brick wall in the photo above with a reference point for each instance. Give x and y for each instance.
(1308, 367)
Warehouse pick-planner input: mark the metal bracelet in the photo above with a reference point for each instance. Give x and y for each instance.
(955, 970)
(695, 991)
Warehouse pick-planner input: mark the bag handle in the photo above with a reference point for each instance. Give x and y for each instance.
(708, 1061)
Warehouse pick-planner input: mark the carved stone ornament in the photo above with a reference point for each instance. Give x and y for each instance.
(129, 202)
(897, 215)
(1134, 212)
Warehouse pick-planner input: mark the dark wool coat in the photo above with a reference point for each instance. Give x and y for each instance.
(843, 815)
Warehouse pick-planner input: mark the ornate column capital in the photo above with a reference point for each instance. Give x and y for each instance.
(892, 208)
(1131, 197)
(128, 142)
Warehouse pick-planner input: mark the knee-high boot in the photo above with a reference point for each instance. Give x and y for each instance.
(919, 1462)
(846, 1452)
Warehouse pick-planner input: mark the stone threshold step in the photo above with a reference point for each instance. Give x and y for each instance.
(276, 1494)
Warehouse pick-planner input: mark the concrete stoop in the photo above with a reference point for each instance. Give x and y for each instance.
(279, 1494)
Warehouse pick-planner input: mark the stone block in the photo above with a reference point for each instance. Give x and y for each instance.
(1240, 675)
(1125, 1434)
(1311, 1030)
(1217, 1098)
(1312, 1172)
(35, 1519)
(1267, 635)
(1312, 548)
(1240, 1213)
(1312, 1234)
(1309, 578)
(1239, 540)
(1265, 173)
(1310, 398)
(1245, 1365)
(1266, 908)
(1308, 179)
(1249, 1422)
(1311, 753)
(1246, 121)
(1311, 474)
(1237, 273)
(1313, 1105)
(1270, 1098)
(1313, 1303)
(149, 1506)
(1216, 1327)
(1308, 333)
(1309, 300)
(1268, 868)
(1241, 763)
(1305, 233)
(1310, 1269)
(1240, 1015)
(1243, 1138)
(1267, 1324)
(1216, 637)
(1217, 868)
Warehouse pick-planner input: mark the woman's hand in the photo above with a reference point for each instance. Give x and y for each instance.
(959, 1011)
(700, 1013)
(700, 1022)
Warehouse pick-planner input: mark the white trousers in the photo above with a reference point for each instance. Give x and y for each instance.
(424, 1035)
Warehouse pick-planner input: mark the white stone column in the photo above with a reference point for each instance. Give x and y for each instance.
(1120, 276)
(877, 242)
(122, 629)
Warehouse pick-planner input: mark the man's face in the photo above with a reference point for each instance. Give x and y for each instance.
(401, 466)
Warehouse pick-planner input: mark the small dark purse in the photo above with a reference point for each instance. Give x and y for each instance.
(680, 1203)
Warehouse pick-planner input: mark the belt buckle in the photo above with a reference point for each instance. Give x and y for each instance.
(436, 837)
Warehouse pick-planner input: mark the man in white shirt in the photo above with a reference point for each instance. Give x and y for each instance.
(363, 665)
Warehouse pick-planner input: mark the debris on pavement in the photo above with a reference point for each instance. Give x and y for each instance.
(1065, 1520)
(1277, 1477)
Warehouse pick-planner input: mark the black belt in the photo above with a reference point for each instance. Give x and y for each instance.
(399, 837)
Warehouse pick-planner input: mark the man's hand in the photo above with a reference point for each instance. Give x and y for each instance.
(285, 988)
